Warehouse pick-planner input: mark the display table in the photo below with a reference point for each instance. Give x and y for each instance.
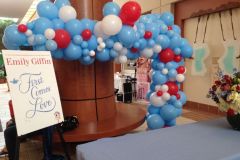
(209, 140)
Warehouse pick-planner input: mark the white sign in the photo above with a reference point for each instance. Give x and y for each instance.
(34, 91)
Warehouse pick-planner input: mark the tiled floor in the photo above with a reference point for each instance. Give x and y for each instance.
(32, 150)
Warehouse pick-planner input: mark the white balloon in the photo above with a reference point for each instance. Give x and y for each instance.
(102, 45)
(147, 52)
(99, 39)
(111, 25)
(92, 53)
(164, 88)
(122, 59)
(166, 96)
(164, 71)
(49, 33)
(117, 46)
(98, 31)
(124, 51)
(31, 40)
(28, 33)
(157, 87)
(157, 48)
(180, 77)
(67, 13)
(157, 101)
(116, 60)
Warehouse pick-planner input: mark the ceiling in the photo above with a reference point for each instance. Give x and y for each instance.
(14, 8)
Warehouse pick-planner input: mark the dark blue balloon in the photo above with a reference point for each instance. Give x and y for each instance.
(111, 8)
(74, 27)
(73, 52)
(103, 55)
(154, 64)
(154, 121)
(127, 36)
(58, 24)
(132, 56)
(58, 54)
(41, 24)
(152, 86)
(47, 9)
(168, 112)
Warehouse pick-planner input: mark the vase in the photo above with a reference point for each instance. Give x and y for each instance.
(234, 121)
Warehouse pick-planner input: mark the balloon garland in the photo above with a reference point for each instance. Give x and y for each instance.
(121, 35)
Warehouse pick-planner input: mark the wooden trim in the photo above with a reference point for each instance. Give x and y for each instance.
(166, 2)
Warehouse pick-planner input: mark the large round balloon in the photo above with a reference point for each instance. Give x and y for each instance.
(47, 9)
(41, 24)
(111, 25)
(168, 112)
(127, 36)
(172, 88)
(111, 8)
(13, 36)
(130, 12)
(62, 38)
(166, 55)
(154, 121)
(67, 13)
(72, 52)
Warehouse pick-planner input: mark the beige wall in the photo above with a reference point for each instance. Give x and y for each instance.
(147, 5)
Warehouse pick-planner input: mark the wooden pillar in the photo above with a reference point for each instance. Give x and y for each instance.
(88, 91)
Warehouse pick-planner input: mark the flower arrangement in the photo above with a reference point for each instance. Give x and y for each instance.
(226, 92)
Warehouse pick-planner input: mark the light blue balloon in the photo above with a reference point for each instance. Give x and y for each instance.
(41, 24)
(40, 39)
(177, 51)
(140, 26)
(40, 48)
(170, 33)
(153, 110)
(163, 28)
(163, 40)
(151, 43)
(60, 3)
(9, 45)
(152, 86)
(51, 45)
(57, 54)
(109, 43)
(13, 37)
(172, 99)
(172, 73)
(176, 29)
(77, 39)
(168, 112)
(84, 44)
(183, 97)
(136, 45)
(143, 43)
(92, 43)
(88, 24)
(158, 78)
(111, 8)
(85, 52)
(74, 27)
(87, 59)
(132, 56)
(47, 9)
(58, 24)
(154, 64)
(113, 53)
(103, 55)
(178, 104)
(184, 42)
(73, 52)
(186, 51)
(154, 121)
(172, 65)
(168, 18)
(30, 25)
(127, 36)
(175, 41)
(160, 66)
(179, 112)
(171, 123)
(153, 27)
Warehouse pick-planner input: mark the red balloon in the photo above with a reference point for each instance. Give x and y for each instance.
(178, 96)
(134, 50)
(180, 69)
(62, 38)
(172, 88)
(169, 27)
(22, 28)
(159, 93)
(86, 34)
(130, 12)
(148, 35)
(177, 58)
(166, 55)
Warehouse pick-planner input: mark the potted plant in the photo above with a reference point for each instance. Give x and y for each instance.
(2, 71)
(226, 93)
